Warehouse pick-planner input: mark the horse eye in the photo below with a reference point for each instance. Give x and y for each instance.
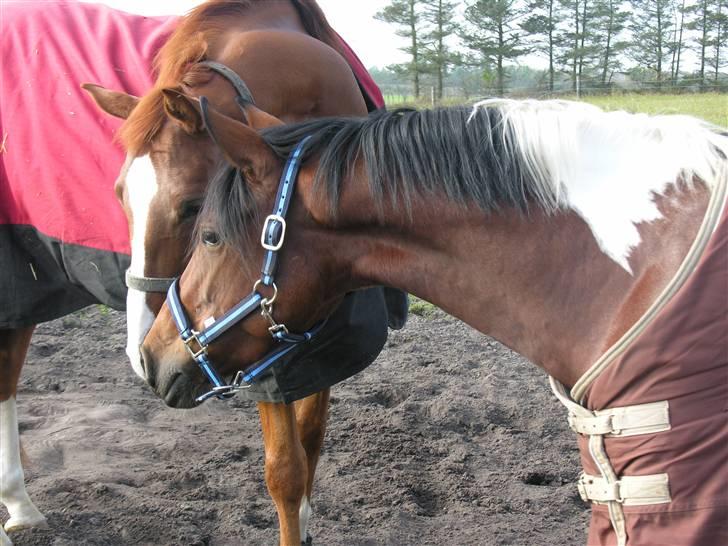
(210, 238)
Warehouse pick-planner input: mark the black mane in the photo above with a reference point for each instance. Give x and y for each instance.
(468, 155)
(462, 153)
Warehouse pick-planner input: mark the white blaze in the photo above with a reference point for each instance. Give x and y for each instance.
(141, 187)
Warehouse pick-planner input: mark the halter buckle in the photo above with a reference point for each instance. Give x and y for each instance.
(266, 225)
(195, 351)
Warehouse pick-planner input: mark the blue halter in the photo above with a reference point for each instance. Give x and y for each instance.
(272, 238)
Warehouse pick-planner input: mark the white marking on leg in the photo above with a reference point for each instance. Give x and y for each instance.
(304, 517)
(141, 184)
(13, 495)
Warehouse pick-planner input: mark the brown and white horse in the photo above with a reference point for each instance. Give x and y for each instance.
(572, 235)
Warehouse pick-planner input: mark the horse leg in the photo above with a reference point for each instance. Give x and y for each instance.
(285, 467)
(311, 417)
(23, 513)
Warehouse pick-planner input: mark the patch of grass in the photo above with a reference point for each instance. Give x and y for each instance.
(103, 309)
(712, 107)
(421, 308)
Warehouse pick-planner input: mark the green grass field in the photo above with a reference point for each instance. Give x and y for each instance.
(712, 107)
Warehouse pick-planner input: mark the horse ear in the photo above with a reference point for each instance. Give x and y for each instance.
(179, 108)
(116, 103)
(241, 144)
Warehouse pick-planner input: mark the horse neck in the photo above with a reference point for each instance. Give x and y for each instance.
(538, 283)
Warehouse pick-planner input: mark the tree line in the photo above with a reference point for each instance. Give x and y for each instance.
(584, 42)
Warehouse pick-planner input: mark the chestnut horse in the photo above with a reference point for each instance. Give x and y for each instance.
(572, 235)
(263, 54)
(281, 51)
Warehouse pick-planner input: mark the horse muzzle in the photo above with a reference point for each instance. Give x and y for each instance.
(171, 383)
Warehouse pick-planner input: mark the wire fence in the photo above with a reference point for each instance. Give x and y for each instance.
(400, 93)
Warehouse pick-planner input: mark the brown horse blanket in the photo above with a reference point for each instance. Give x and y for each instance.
(681, 358)
(64, 240)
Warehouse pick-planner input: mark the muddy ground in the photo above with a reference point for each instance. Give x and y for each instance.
(448, 439)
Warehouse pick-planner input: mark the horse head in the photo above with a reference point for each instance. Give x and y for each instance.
(225, 264)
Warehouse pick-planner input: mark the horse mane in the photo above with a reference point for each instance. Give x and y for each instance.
(197, 33)
(468, 155)
(499, 153)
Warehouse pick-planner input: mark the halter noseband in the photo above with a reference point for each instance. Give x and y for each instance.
(272, 238)
(162, 284)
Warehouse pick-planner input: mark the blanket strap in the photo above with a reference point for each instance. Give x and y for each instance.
(628, 490)
(624, 421)
(610, 489)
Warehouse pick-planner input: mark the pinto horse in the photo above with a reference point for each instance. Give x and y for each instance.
(593, 243)
(281, 50)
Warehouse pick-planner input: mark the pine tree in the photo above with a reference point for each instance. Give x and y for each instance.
(541, 27)
(405, 15)
(440, 14)
(709, 20)
(653, 37)
(609, 22)
(719, 41)
(571, 38)
(493, 34)
(678, 39)
(701, 22)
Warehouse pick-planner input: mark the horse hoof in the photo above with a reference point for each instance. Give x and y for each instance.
(308, 541)
(26, 521)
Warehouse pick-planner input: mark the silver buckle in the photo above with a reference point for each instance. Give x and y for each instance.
(268, 219)
(201, 349)
(582, 489)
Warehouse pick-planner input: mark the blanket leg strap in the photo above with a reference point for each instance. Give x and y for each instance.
(608, 488)
(628, 490)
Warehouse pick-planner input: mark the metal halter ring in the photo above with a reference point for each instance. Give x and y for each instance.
(266, 302)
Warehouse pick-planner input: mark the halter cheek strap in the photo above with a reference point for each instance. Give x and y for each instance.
(272, 239)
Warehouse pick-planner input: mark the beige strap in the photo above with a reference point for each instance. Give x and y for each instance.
(628, 490)
(623, 421)
(615, 421)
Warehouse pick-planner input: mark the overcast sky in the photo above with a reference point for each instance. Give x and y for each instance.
(374, 42)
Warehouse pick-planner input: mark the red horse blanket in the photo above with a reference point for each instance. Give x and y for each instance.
(63, 238)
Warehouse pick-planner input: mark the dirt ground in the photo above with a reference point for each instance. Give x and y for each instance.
(448, 439)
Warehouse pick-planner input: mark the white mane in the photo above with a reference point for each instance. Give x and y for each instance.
(607, 166)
